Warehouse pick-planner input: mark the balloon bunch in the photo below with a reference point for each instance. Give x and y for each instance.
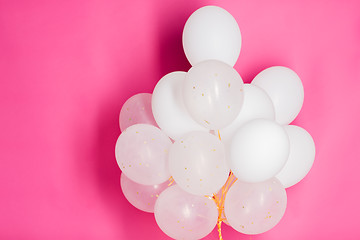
(205, 148)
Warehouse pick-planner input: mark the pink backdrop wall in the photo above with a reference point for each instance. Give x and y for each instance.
(66, 68)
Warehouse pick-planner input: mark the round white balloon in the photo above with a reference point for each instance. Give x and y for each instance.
(285, 89)
(257, 104)
(168, 107)
(213, 93)
(258, 151)
(301, 157)
(211, 33)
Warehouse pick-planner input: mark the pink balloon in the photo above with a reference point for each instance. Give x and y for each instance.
(142, 153)
(142, 197)
(254, 208)
(197, 163)
(137, 109)
(181, 215)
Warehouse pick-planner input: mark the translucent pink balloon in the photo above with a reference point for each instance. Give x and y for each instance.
(197, 163)
(254, 208)
(141, 152)
(142, 197)
(137, 109)
(181, 215)
(213, 94)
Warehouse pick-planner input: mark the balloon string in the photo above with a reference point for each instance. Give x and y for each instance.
(221, 201)
(171, 181)
(219, 229)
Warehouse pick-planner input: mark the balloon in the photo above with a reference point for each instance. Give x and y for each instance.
(254, 208)
(168, 107)
(211, 33)
(181, 215)
(285, 89)
(197, 163)
(258, 151)
(257, 104)
(301, 157)
(213, 94)
(141, 152)
(136, 109)
(142, 197)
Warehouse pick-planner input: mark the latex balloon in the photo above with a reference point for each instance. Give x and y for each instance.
(211, 33)
(168, 107)
(301, 157)
(143, 197)
(197, 163)
(213, 94)
(259, 150)
(285, 89)
(137, 109)
(141, 152)
(181, 215)
(257, 104)
(254, 208)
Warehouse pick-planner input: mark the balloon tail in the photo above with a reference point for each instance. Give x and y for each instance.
(171, 181)
(219, 230)
(220, 201)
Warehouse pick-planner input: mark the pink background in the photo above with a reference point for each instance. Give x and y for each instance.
(66, 68)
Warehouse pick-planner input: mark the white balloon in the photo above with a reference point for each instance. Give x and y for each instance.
(257, 104)
(168, 107)
(258, 151)
(301, 157)
(211, 33)
(285, 89)
(213, 93)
